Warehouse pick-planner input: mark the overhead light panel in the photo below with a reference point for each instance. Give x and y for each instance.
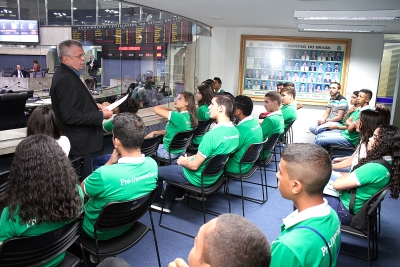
(348, 15)
(340, 28)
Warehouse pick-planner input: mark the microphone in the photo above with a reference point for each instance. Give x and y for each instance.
(8, 87)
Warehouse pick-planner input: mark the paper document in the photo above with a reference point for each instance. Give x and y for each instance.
(116, 103)
(329, 190)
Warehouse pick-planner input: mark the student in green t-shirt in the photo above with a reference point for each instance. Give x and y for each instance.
(183, 119)
(204, 96)
(304, 170)
(289, 107)
(250, 133)
(127, 175)
(217, 85)
(273, 123)
(370, 177)
(42, 193)
(223, 139)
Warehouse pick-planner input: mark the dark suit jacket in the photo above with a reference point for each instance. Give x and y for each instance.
(76, 112)
(25, 74)
(312, 68)
(96, 65)
(327, 80)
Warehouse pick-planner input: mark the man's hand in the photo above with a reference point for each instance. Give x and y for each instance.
(150, 135)
(321, 121)
(114, 158)
(182, 158)
(107, 113)
(178, 262)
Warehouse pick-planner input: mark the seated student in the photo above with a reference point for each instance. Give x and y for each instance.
(129, 105)
(217, 85)
(350, 136)
(369, 177)
(304, 171)
(274, 122)
(204, 96)
(249, 130)
(353, 108)
(365, 126)
(42, 193)
(289, 107)
(126, 176)
(148, 94)
(183, 119)
(211, 248)
(43, 121)
(222, 139)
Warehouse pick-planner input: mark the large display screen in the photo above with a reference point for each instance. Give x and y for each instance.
(19, 31)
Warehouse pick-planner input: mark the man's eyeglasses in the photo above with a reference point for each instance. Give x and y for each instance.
(78, 56)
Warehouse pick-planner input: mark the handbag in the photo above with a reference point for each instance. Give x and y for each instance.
(359, 221)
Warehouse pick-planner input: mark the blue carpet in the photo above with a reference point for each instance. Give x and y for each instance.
(267, 216)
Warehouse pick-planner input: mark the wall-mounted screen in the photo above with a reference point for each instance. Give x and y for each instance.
(19, 31)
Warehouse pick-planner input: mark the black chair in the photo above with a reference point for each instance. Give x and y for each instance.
(117, 215)
(269, 146)
(215, 165)
(250, 156)
(180, 141)
(77, 164)
(286, 137)
(3, 188)
(336, 151)
(12, 110)
(373, 226)
(37, 250)
(8, 73)
(201, 129)
(150, 145)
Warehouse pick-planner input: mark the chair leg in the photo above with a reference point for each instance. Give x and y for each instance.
(241, 190)
(155, 238)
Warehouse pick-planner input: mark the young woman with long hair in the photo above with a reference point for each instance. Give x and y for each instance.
(183, 119)
(43, 121)
(43, 193)
(367, 176)
(204, 96)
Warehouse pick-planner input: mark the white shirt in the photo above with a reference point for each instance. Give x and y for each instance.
(64, 144)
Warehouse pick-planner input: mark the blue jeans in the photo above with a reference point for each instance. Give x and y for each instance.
(339, 208)
(162, 153)
(331, 138)
(172, 173)
(317, 129)
(100, 161)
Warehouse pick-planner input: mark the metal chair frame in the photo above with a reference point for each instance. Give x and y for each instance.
(180, 141)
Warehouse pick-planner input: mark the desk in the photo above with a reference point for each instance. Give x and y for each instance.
(9, 139)
(16, 84)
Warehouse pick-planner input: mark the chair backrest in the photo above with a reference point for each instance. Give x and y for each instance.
(12, 110)
(118, 214)
(269, 144)
(77, 164)
(150, 145)
(375, 201)
(215, 165)
(289, 126)
(202, 128)
(36, 250)
(3, 188)
(181, 140)
(252, 153)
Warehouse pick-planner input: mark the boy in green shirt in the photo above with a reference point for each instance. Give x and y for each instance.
(273, 123)
(249, 130)
(289, 107)
(310, 236)
(223, 139)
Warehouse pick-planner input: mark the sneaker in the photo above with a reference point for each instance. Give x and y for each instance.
(196, 196)
(178, 198)
(158, 207)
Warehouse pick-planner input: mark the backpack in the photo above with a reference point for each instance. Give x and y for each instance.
(359, 221)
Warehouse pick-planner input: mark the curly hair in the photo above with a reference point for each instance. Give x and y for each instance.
(42, 183)
(43, 121)
(207, 94)
(129, 105)
(387, 143)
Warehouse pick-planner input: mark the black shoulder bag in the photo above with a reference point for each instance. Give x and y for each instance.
(359, 220)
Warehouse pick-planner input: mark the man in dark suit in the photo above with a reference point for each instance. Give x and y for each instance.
(77, 114)
(20, 73)
(329, 57)
(93, 66)
(327, 78)
(312, 67)
(338, 56)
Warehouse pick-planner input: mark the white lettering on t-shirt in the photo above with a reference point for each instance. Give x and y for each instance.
(138, 178)
(331, 242)
(255, 127)
(228, 137)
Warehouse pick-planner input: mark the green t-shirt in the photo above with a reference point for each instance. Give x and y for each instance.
(129, 179)
(178, 122)
(249, 133)
(372, 177)
(221, 140)
(203, 114)
(289, 113)
(272, 124)
(108, 126)
(13, 228)
(303, 247)
(353, 136)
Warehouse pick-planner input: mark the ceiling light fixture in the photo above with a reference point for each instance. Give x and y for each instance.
(347, 15)
(340, 28)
